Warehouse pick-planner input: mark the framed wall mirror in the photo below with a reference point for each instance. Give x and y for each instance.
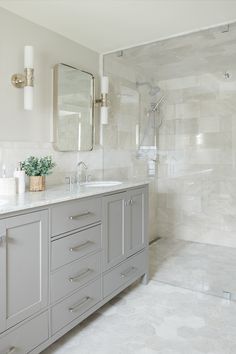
(73, 109)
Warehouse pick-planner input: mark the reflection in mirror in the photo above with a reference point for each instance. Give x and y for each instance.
(73, 109)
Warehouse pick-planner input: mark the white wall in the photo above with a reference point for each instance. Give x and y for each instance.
(25, 132)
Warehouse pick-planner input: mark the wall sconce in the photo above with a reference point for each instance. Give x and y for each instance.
(26, 80)
(104, 99)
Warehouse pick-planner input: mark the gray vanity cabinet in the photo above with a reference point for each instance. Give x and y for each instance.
(24, 267)
(97, 247)
(124, 225)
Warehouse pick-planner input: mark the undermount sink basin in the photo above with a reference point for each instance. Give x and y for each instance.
(102, 183)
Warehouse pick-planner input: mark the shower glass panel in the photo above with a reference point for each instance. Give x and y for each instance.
(190, 137)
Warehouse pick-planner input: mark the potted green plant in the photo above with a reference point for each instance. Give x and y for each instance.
(37, 168)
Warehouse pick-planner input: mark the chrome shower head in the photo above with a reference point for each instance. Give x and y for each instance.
(156, 105)
(154, 90)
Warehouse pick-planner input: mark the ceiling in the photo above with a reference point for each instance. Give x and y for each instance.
(109, 25)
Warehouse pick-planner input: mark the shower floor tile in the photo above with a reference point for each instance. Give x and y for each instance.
(200, 267)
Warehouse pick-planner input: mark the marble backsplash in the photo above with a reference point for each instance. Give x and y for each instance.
(13, 152)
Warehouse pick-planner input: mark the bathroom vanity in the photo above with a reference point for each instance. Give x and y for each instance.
(65, 253)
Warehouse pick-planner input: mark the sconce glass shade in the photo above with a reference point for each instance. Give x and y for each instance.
(28, 98)
(104, 85)
(28, 57)
(28, 89)
(104, 105)
(104, 115)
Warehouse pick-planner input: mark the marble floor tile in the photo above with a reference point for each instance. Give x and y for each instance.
(157, 318)
(162, 318)
(196, 266)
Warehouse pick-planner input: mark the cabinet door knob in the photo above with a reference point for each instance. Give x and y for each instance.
(131, 202)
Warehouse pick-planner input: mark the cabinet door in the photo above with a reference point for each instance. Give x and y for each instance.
(114, 229)
(137, 239)
(24, 283)
(2, 278)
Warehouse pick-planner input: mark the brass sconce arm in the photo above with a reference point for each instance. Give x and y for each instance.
(103, 100)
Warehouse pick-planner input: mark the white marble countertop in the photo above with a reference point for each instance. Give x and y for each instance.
(57, 194)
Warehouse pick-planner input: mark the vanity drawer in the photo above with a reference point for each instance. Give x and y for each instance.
(75, 214)
(127, 271)
(27, 337)
(70, 248)
(74, 306)
(72, 276)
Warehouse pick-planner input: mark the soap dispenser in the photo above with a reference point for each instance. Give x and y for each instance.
(19, 174)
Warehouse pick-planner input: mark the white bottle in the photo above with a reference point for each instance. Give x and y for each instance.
(20, 180)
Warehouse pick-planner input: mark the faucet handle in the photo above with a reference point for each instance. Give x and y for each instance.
(68, 179)
(88, 178)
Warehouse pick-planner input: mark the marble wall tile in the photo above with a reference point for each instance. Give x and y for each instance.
(166, 142)
(187, 110)
(229, 223)
(110, 135)
(119, 173)
(211, 124)
(168, 127)
(195, 185)
(226, 123)
(217, 237)
(182, 141)
(169, 109)
(186, 126)
(190, 204)
(173, 84)
(173, 97)
(162, 200)
(196, 94)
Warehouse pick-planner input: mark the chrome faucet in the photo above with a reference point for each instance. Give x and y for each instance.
(81, 172)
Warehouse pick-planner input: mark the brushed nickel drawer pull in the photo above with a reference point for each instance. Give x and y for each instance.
(81, 303)
(128, 272)
(77, 217)
(11, 350)
(73, 279)
(2, 239)
(77, 248)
